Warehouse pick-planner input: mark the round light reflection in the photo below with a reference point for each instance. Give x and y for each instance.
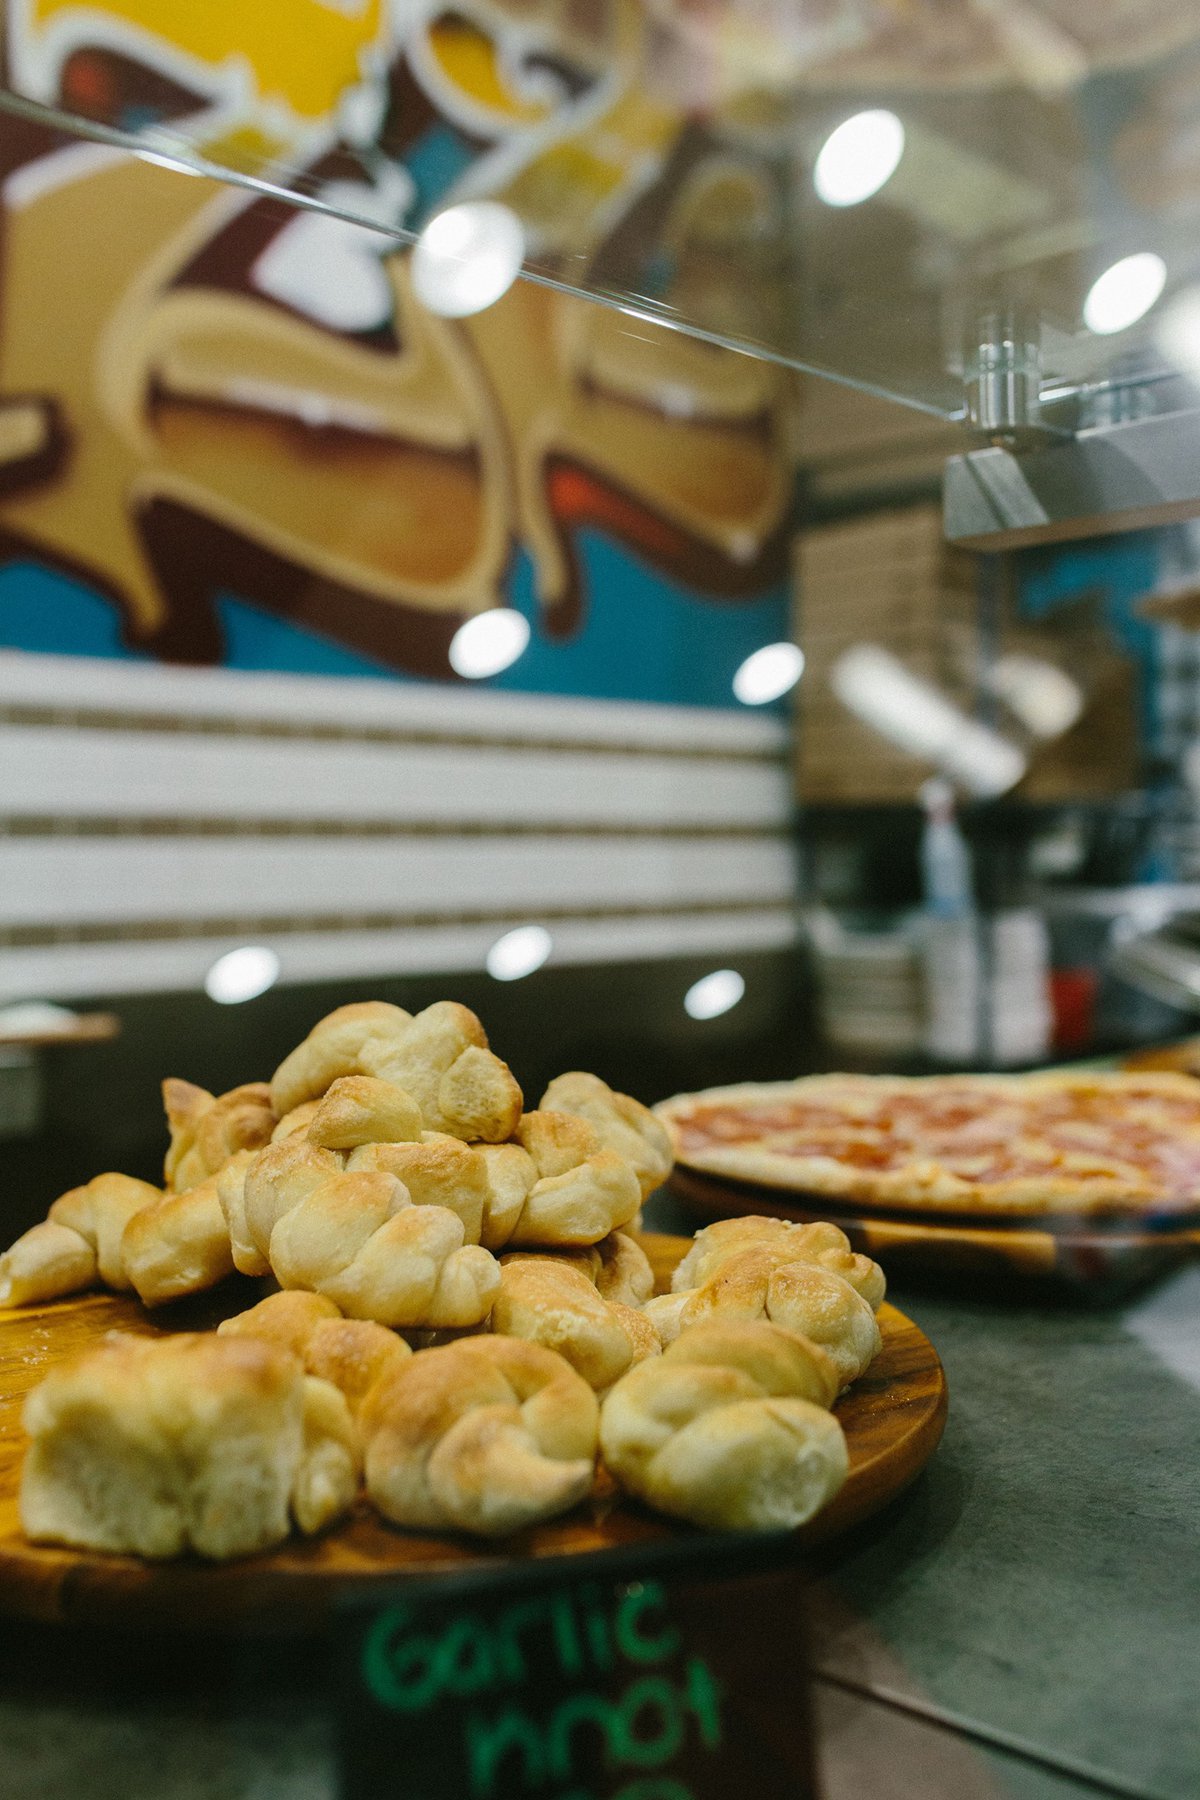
(1124, 293)
(242, 974)
(769, 673)
(519, 952)
(857, 159)
(467, 257)
(714, 994)
(489, 642)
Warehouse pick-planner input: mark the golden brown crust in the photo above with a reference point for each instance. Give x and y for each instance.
(555, 1187)
(1062, 1141)
(624, 1274)
(298, 1120)
(358, 1109)
(820, 1243)
(548, 1302)
(46, 1263)
(728, 1428)
(440, 1058)
(485, 1435)
(177, 1245)
(622, 1123)
(255, 1196)
(185, 1442)
(353, 1354)
(207, 1131)
(556, 1141)
(358, 1238)
(184, 1104)
(801, 1297)
(331, 1049)
(438, 1171)
(99, 1212)
(287, 1320)
(78, 1245)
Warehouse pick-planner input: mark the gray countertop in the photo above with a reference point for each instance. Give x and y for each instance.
(1024, 1623)
(1041, 1585)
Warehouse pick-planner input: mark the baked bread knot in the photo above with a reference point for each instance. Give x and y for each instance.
(206, 1130)
(549, 1302)
(179, 1243)
(353, 1354)
(801, 1297)
(487, 1435)
(617, 1267)
(78, 1244)
(157, 1446)
(358, 1239)
(556, 1184)
(438, 1171)
(729, 1428)
(820, 1243)
(332, 1048)
(622, 1124)
(359, 1109)
(255, 1194)
(358, 1235)
(440, 1057)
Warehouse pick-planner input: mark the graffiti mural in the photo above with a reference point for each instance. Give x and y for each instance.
(204, 392)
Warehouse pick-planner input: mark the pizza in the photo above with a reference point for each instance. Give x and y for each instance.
(1044, 1143)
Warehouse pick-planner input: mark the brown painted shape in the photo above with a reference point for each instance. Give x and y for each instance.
(893, 1420)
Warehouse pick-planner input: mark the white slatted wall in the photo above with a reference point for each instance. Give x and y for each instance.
(152, 818)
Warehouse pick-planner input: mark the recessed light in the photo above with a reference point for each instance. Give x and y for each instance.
(769, 673)
(714, 994)
(467, 257)
(242, 974)
(858, 158)
(489, 642)
(1124, 293)
(519, 952)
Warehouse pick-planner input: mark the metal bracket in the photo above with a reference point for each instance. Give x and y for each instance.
(1106, 479)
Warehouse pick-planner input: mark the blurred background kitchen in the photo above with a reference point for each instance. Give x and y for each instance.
(376, 623)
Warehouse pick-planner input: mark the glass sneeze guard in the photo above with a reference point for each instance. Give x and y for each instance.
(948, 205)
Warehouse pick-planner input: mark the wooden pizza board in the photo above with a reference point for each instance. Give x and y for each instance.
(893, 1419)
(1090, 1256)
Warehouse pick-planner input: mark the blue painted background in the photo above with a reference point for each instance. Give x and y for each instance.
(643, 636)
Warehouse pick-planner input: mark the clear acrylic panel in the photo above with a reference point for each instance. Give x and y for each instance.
(678, 158)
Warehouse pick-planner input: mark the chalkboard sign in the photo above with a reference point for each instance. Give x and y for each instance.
(672, 1672)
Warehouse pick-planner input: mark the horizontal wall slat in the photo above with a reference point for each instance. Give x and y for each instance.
(51, 771)
(64, 684)
(83, 971)
(65, 881)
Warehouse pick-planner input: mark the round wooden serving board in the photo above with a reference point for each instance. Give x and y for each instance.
(893, 1419)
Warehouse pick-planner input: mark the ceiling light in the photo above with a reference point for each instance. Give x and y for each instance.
(915, 716)
(714, 994)
(488, 643)
(1120, 296)
(1044, 697)
(467, 257)
(519, 952)
(858, 158)
(242, 974)
(769, 673)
